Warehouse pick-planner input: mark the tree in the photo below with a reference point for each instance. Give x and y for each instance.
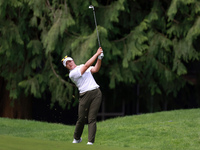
(145, 43)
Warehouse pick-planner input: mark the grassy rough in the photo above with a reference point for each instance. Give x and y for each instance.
(179, 129)
(164, 130)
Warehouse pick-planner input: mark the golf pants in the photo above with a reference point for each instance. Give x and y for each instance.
(89, 103)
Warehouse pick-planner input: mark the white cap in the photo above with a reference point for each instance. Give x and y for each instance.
(65, 59)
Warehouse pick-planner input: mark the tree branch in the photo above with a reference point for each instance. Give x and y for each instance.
(122, 39)
(49, 6)
(60, 78)
(177, 22)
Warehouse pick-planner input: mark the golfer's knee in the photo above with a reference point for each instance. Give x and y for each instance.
(82, 119)
(91, 120)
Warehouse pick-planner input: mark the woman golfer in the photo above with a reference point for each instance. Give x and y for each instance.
(89, 94)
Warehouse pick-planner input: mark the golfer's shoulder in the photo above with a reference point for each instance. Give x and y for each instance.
(75, 72)
(77, 67)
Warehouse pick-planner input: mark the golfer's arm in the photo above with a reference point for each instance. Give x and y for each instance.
(88, 63)
(97, 66)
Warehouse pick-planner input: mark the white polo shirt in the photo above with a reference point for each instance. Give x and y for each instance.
(84, 82)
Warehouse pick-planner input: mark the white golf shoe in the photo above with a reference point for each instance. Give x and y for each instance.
(77, 141)
(89, 143)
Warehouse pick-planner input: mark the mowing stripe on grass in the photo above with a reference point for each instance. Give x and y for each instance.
(18, 143)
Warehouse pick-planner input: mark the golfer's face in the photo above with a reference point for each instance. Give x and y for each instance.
(70, 64)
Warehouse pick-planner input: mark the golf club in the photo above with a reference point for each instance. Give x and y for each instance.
(96, 27)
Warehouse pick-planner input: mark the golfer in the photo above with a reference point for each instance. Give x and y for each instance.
(89, 94)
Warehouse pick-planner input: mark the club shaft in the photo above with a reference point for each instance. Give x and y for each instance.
(96, 28)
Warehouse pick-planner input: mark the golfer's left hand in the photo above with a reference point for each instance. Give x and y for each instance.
(101, 56)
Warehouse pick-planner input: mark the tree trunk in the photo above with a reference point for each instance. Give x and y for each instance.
(19, 108)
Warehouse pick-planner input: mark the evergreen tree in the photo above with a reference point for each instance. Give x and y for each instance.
(145, 42)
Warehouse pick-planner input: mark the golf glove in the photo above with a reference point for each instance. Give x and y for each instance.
(101, 56)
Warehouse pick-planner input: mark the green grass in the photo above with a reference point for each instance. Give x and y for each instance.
(178, 130)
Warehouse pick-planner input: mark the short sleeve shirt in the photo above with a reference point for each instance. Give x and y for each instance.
(84, 82)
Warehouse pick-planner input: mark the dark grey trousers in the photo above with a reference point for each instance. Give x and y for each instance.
(89, 103)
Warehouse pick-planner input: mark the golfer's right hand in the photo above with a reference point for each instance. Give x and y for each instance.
(100, 53)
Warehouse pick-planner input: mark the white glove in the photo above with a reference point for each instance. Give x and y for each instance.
(101, 56)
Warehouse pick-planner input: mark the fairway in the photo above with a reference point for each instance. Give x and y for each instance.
(179, 129)
(17, 143)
